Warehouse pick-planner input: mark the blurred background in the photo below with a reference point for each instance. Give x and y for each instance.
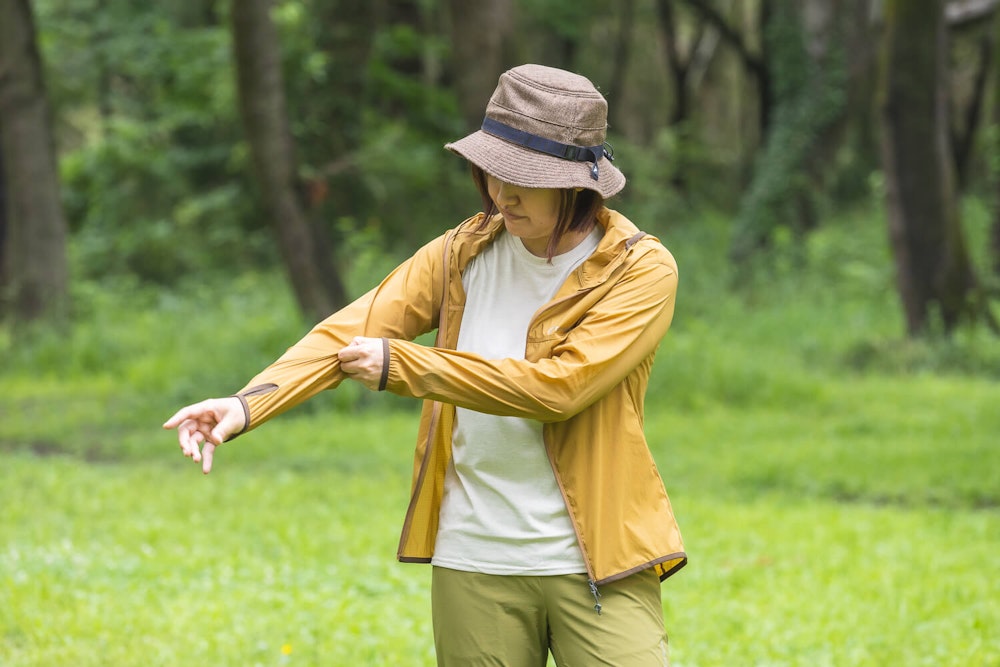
(148, 143)
(187, 185)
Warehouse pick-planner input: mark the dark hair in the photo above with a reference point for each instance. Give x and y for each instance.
(577, 210)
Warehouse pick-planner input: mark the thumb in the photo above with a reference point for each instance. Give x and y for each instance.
(232, 421)
(219, 434)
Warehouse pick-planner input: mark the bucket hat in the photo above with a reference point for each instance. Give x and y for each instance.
(544, 128)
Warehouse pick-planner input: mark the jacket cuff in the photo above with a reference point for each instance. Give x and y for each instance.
(246, 417)
(384, 378)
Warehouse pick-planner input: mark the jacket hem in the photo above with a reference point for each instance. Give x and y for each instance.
(645, 566)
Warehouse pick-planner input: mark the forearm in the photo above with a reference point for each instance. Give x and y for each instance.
(555, 388)
(403, 306)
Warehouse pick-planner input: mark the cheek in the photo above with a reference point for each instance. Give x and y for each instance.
(492, 187)
(550, 207)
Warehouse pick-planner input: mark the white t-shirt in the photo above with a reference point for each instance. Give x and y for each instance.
(502, 511)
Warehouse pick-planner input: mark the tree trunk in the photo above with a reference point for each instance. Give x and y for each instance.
(859, 123)
(678, 70)
(964, 130)
(3, 232)
(480, 54)
(678, 64)
(37, 273)
(995, 230)
(808, 93)
(934, 272)
(621, 53)
(756, 64)
(315, 281)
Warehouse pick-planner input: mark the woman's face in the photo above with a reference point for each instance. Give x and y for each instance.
(530, 214)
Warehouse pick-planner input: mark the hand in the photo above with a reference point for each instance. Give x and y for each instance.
(210, 422)
(362, 361)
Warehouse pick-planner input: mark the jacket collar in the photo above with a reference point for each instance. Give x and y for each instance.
(620, 235)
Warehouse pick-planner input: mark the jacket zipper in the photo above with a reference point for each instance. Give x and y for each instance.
(435, 410)
(597, 596)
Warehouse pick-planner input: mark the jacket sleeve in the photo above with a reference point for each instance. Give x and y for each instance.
(616, 334)
(405, 305)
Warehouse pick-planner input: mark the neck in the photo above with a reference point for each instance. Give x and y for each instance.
(569, 240)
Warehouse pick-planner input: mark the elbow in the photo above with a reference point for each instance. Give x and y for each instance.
(561, 408)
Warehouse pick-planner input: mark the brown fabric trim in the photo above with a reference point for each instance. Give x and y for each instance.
(404, 536)
(246, 417)
(635, 239)
(672, 571)
(384, 378)
(645, 566)
(253, 391)
(408, 559)
(259, 389)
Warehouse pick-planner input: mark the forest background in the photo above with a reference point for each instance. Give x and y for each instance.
(187, 185)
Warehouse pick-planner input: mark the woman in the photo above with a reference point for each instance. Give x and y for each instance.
(534, 494)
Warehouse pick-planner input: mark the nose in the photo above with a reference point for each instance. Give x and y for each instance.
(506, 193)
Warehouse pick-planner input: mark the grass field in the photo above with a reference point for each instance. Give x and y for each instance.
(838, 487)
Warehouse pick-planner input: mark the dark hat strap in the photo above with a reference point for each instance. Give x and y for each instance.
(557, 149)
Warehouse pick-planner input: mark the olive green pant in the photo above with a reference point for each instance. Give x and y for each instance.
(514, 621)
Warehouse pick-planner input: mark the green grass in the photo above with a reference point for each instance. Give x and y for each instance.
(837, 486)
(290, 542)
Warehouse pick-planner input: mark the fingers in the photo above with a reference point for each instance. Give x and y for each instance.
(362, 361)
(195, 444)
(189, 438)
(352, 352)
(203, 426)
(181, 415)
(207, 455)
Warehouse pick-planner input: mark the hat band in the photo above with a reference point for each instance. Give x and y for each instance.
(557, 149)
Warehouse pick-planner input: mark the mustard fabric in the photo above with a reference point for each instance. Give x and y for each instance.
(588, 357)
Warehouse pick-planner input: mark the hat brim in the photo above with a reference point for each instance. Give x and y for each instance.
(527, 168)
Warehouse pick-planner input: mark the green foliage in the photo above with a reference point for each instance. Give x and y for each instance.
(567, 20)
(808, 96)
(153, 175)
(154, 168)
(370, 125)
(812, 491)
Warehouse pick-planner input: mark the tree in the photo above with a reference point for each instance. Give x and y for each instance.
(755, 63)
(621, 54)
(969, 26)
(36, 269)
(479, 56)
(934, 272)
(995, 229)
(3, 226)
(303, 245)
(856, 135)
(679, 61)
(807, 79)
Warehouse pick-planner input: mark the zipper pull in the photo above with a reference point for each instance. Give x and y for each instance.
(597, 596)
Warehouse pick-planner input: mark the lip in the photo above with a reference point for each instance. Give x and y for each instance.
(511, 216)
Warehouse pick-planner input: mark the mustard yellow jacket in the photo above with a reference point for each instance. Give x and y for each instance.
(587, 361)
